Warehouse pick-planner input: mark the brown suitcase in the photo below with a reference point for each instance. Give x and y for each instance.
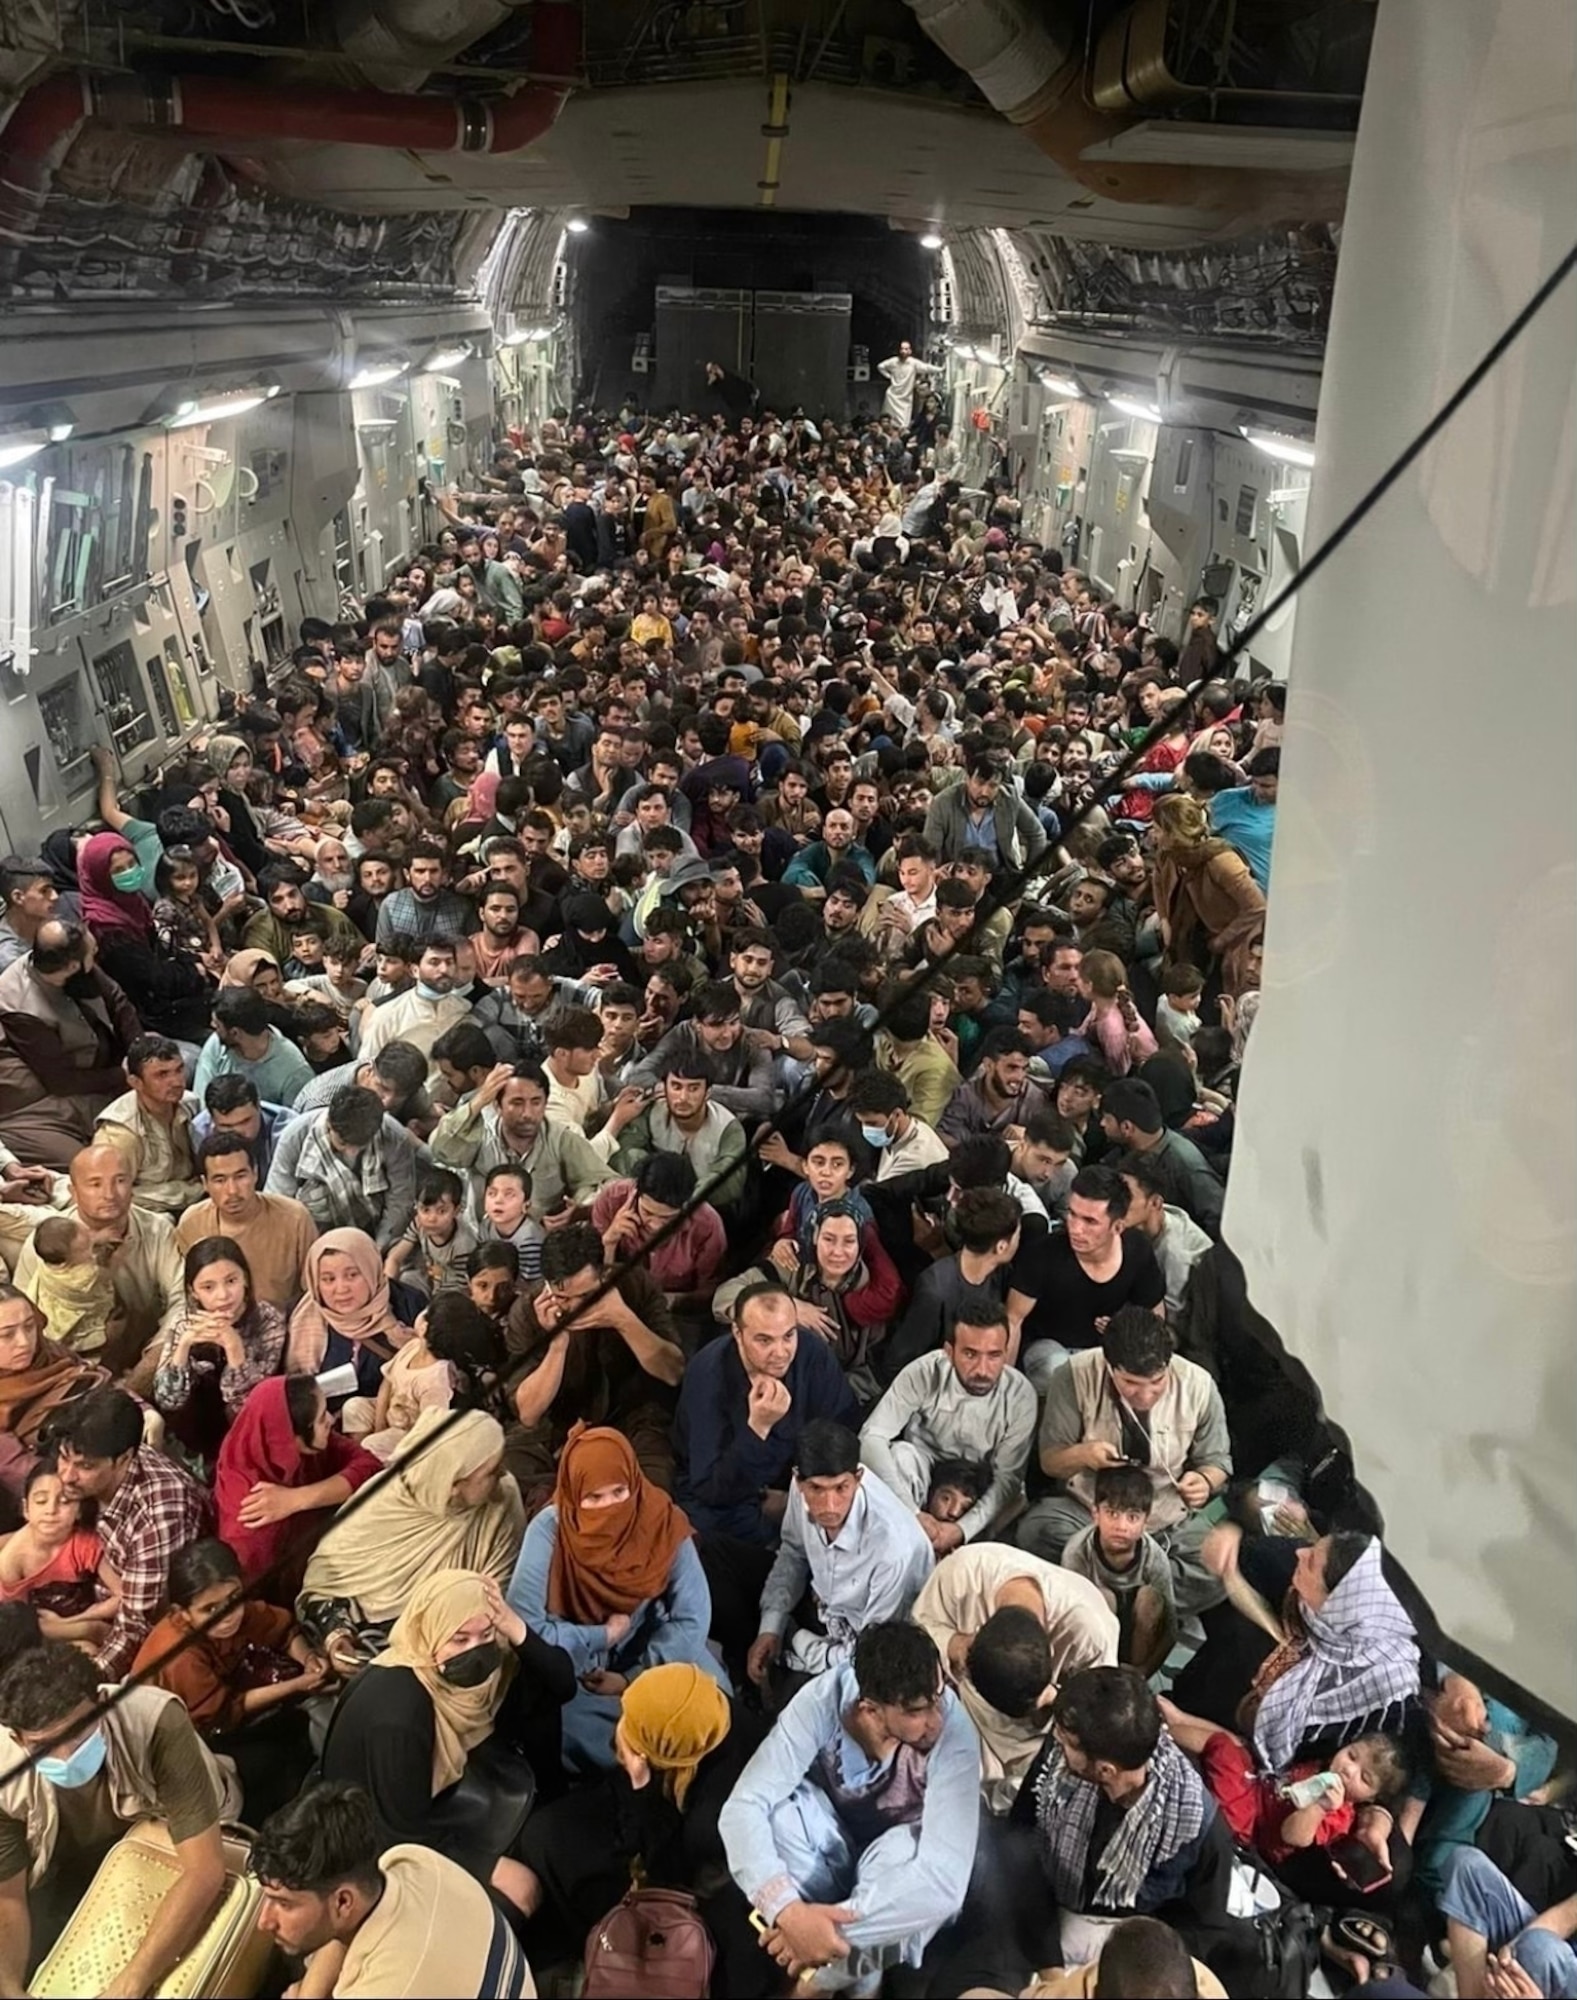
(226, 1963)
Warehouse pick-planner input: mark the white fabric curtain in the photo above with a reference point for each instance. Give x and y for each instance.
(1404, 1196)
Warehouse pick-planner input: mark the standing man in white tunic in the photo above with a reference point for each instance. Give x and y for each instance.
(902, 373)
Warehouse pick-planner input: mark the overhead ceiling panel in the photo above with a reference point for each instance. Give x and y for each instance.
(1254, 148)
(915, 160)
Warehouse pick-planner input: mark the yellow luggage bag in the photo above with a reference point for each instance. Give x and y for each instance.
(226, 1963)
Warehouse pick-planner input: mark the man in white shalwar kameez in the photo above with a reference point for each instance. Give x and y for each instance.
(902, 373)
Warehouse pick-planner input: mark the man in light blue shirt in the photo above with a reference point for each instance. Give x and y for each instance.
(852, 1830)
(858, 1547)
(245, 1043)
(1245, 817)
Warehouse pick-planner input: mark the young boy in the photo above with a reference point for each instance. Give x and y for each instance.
(956, 1485)
(1371, 1770)
(319, 1032)
(828, 1166)
(1177, 1010)
(395, 969)
(306, 948)
(438, 1236)
(337, 985)
(507, 1217)
(75, 1293)
(1128, 1566)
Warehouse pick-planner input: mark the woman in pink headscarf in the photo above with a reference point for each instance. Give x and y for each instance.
(169, 989)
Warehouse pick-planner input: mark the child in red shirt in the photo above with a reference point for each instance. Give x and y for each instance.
(1256, 1806)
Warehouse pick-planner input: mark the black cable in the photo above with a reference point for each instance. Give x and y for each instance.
(1006, 891)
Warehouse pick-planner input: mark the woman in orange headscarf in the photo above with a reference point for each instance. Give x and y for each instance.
(610, 1573)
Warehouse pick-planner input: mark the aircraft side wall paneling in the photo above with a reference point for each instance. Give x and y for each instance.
(1159, 505)
(1405, 1182)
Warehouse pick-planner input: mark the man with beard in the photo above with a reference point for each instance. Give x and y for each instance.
(501, 937)
(273, 929)
(774, 1020)
(426, 907)
(421, 1015)
(960, 1401)
(506, 1122)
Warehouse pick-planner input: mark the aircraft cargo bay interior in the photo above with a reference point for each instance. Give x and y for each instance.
(787, 1193)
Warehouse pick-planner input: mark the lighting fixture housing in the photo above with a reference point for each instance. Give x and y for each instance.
(20, 446)
(377, 374)
(1284, 450)
(443, 360)
(1127, 406)
(216, 408)
(1059, 385)
(930, 240)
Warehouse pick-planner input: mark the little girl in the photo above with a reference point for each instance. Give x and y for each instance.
(1113, 1024)
(58, 1566)
(240, 1676)
(454, 1362)
(181, 923)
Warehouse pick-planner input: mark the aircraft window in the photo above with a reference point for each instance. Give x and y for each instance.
(1185, 465)
(1248, 497)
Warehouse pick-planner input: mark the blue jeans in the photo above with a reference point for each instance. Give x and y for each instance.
(1477, 1896)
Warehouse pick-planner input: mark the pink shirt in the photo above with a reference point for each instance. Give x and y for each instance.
(1106, 1029)
(690, 1259)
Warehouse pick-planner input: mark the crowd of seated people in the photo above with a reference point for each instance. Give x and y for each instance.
(611, 1197)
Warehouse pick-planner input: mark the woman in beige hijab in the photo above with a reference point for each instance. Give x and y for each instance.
(444, 1503)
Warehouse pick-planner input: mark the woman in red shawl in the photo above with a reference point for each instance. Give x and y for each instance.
(282, 1471)
(170, 992)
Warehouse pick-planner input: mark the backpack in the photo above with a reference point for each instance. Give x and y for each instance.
(652, 1945)
(1288, 1943)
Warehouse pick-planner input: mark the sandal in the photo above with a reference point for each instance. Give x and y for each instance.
(1361, 1945)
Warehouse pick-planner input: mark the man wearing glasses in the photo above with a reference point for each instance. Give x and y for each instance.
(852, 1830)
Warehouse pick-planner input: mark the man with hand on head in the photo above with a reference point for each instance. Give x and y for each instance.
(1010, 1628)
(744, 1402)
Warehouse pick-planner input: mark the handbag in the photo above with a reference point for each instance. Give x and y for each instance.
(265, 1667)
(652, 1945)
(66, 1600)
(227, 1961)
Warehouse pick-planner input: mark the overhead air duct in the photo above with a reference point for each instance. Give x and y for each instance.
(1032, 71)
(220, 113)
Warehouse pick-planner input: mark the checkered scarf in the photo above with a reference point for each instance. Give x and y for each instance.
(1362, 1655)
(1166, 1816)
(356, 1190)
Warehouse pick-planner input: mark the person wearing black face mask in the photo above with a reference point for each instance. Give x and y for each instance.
(464, 1693)
(65, 1028)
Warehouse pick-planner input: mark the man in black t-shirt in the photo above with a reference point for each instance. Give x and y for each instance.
(1081, 1275)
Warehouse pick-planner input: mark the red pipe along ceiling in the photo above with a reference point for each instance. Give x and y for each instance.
(226, 110)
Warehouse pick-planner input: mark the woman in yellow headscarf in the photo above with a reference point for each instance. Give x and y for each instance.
(460, 1665)
(679, 1745)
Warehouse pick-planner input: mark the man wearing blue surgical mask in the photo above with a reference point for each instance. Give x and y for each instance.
(428, 1010)
(902, 1143)
(97, 1770)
